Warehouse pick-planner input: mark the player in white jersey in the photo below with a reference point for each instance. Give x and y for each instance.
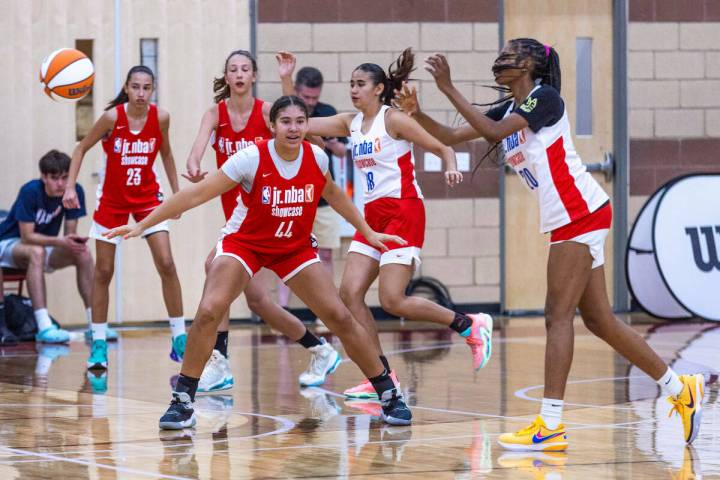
(382, 148)
(531, 126)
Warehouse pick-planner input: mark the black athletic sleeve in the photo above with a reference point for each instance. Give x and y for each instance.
(541, 108)
(498, 112)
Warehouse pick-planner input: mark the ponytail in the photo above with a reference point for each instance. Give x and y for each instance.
(398, 72)
(122, 97)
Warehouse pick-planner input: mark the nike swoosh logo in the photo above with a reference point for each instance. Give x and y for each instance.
(692, 400)
(266, 174)
(669, 379)
(120, 126)
(539, 439)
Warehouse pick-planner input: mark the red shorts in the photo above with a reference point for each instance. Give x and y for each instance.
(285, 265)
(395, 216)
(109, 219)
(600, 219)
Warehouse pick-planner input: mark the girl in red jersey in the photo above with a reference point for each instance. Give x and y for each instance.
(236, 121)
(382, 148)
(532, 128)
(133, 131)
(281, 181)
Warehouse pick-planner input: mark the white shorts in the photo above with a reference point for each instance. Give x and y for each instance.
(97, 231)
(6, 257)
(403, 255)
(326, 227)
(595, 240)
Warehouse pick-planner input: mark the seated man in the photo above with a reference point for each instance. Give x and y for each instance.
(29, 239)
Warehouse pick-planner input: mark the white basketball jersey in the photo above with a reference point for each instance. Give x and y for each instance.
(551, 169)
(387, 164)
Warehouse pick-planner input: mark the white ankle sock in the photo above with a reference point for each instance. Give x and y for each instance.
(551, 412)
(177, 326)
(88, 316)
(99, 331)
(670, 383)
(42, 318)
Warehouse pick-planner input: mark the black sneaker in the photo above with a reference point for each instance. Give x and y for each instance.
(180, 413)
(394, 410)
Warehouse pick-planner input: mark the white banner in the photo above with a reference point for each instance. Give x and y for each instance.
(673, 257)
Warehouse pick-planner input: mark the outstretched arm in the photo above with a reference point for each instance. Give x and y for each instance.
(491, 130)
(407, 101)
(190, 197)
(342, 204)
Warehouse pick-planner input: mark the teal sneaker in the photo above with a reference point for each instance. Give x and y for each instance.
(110, 336)
(178, 348)
(97, 380)
(53, 334)
(98, 359)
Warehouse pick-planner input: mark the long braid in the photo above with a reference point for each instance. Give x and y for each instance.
(545, 63)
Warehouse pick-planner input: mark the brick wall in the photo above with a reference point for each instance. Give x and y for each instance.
(674, 91)
(462, 236)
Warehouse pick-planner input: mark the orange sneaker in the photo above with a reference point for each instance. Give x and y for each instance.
(365, 390)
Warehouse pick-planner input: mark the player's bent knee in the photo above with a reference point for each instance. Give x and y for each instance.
(392, 303)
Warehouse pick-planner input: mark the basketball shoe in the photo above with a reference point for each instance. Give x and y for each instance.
(96, 381)
(324, 361)
(479, 338)
(216, 375)
(177, 352)
(98, 359)
(180, 414)
(688, 405)
(536, 437)
(365, 390)
(394, 409)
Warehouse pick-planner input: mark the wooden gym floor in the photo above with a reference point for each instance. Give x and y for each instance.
(66, 425)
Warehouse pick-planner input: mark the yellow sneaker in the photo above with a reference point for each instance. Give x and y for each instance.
(536, 437)
(689, 404)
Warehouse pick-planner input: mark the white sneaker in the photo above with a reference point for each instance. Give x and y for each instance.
(325, 359)
(216, 375)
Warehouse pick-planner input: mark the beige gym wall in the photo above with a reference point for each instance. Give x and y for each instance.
(194, 37)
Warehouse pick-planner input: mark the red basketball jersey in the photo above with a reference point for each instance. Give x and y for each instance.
(277, 215)
(129, 183)
(227, 141)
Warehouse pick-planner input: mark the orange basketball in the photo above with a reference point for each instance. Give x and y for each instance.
(67, 74)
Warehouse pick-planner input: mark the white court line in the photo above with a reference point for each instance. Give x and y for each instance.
(55, 458)
(287, 425)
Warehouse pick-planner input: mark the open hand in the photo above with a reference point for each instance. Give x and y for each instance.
(286, 63)
(439, 68)
(126, 231)
(194, 174)
(406, 99)
(378, 240)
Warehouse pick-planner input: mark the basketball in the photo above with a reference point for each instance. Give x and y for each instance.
(67, 74)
